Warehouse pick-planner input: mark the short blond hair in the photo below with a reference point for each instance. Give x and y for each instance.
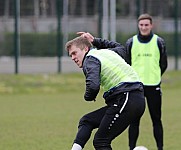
(79, 42)
(145, 16)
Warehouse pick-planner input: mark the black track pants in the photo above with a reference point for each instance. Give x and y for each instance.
(154, 100)
(111, 120)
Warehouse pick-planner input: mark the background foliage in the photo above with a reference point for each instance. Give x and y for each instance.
(44, 44)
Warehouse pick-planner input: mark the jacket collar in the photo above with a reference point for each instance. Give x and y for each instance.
(145, 39)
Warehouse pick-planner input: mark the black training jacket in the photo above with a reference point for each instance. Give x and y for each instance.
(146, 39)
(114, 46)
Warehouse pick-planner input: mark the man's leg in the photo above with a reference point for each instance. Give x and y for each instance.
(111, 126)
(154, 99)
(87, 123)
(133, 133)
(117, 118)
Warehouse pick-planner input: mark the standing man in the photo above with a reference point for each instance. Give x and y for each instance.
(123, 94)
(146, 53)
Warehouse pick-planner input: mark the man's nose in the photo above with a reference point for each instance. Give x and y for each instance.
(73, 57)
(144, 27)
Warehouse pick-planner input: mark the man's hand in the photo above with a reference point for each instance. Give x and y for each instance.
(86, 35)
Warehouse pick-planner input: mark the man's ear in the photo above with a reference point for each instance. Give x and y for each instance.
(86, 49)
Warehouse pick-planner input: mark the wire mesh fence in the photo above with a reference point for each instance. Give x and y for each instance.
(41, 48)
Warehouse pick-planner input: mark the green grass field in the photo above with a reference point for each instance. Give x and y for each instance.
(41, 112)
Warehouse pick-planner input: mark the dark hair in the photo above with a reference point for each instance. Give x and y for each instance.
(79, 42)
(145, 16)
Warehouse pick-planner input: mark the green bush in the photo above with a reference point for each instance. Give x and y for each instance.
(7, 45)
(31, 44)
(45, 44)
(170, 43)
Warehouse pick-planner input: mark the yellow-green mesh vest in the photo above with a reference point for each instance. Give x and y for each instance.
(114, 69)
(145, 59)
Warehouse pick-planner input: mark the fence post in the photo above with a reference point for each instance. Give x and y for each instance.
(100, 18)
(112, 28)
(59, 32)
(176, 37)
(16, 34)
(137, 8)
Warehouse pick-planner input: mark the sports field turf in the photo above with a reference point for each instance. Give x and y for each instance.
(41, 112)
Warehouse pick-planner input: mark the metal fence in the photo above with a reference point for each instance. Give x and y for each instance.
(33, 32)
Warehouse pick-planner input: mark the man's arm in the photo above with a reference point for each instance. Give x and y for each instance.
(104, 44)
(128, 47)
(114, 46)
(91, 69)
(163, 55)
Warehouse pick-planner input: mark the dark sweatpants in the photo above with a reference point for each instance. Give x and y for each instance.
(110, 120)
(153, 96)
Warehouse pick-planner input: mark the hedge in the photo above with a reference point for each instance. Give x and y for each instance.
(31, 44)
(45, 44)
